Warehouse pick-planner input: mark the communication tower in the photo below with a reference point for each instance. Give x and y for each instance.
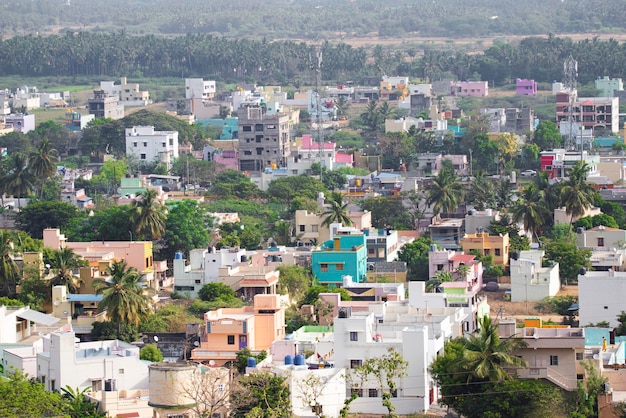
(570, 77)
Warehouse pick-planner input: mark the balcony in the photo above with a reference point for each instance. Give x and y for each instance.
(82, 324)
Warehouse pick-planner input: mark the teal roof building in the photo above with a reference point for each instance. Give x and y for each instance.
(344, 255)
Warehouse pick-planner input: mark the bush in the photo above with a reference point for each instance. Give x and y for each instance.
(151, 352)
(556, 304)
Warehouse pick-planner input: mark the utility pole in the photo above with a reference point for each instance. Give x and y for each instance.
(570, 75)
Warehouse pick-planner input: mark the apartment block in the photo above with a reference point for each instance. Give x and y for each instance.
(148, 145)
(344, 255)
(593, 113)
(485, 244)
(469, 88)
(263, 139)
(103, 105)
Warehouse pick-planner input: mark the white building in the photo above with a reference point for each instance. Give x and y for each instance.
(128, 93)
(197, 88)
(96, 365)
(418, 335)
(601, 296)
(148, 145)
(529, 280)
(21, 122)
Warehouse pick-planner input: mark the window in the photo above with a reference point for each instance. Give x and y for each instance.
(142, 156)
(579, 355)
(372, 393)
(314, 228)
(487, 251)
(600, 242)
(120, 371)
(197, 281)
(554, 360)
(357, 392)
(497, 252)
(439, 267)
(134, 144)
(145, 144)
(339, 267)
(231, 340)
(302, 228)
(354, 336)
(163, 144)
(324, 267)
(220, 387)
(355, 363)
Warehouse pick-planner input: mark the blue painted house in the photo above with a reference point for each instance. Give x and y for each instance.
(344, 255)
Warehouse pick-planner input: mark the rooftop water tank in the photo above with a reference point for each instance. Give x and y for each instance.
(251, 362)
(288, 360)
(178, 256)
(299, 360)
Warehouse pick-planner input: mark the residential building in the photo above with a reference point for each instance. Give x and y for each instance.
(103, 105)
(97, 365)
(20, 323)
(128, 93)
(485, 244)
(343, 255)
(76, 197)
(428, 125)
(382, 245)
(596, 113)
(532, 278)
(394, 88)
(600, 237)
(441, 260)
(600, 296)
(418, 335)
(375, 292)
(519, 121)
(138, 254)
(310, 228)
(263, 139)
(20, 122)
(469, 88)
(387, 271)
(76, 121)
(446, 232)
(553, 353)
(480, 220)
(228, 330)
(5, 108)
(79, 309)
(525, 87)
(197, 88)
(148, 145)
(306, 151)
(562, 217)
(558, 162)
(608, 86)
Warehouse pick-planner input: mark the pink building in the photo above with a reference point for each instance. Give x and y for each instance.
(448, 260)
(525, 87)
(228, 330)
(228, 158)
(470, 88)
(138, 254)
(344, 160)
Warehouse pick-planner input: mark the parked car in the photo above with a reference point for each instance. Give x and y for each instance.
(528, 173)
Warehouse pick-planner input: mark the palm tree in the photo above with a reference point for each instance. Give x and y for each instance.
(531, 208)
(79, 407)
(482, 193)
(42, 162)
(123, 297)
(63, 263)
(439, 278)
(486, 356)
(9, 271)
(577, 194)
(149, 216)
(446, 191)
(462, 271)
(337, 212)
(19, 180)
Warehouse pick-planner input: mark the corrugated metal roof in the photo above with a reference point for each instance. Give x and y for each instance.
(38, 317)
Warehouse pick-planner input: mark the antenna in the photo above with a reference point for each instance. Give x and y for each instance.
(318, 108)
(570, 76)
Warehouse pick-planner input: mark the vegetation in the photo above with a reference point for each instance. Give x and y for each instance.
(151, 352)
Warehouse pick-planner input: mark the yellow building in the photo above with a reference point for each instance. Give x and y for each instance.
(485, 244)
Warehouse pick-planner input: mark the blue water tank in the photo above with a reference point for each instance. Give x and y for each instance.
(288, 360)
(251, 362)
(178, 256)
(299, 360)
(366, 232)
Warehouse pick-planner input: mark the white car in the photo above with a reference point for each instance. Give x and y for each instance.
(528, 173)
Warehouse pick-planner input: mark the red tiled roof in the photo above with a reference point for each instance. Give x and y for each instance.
(463, 258)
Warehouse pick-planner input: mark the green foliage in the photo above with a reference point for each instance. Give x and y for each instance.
(108, 223)
(602, 219)
(386, 369)
(586, 396)
(233, 184)
(556, 304)
(172, 317)
(570, 258)
(150, 352)
(242, 356)
(34, 291)
(312, 294)
(287, 188)
(415, 255)
(263, 395)
(505, 226)
(198, 307)
(547, 135)
(388, 212)
(212, 292)
(293, 281)
(79, 406)
(185, 228)
(5, 301)
(345, 296)
(621, 328)
(105, 330)
(21, 397)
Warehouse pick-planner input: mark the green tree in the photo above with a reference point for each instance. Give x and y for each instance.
(481, 193)
(386, 369)
(547, 135)
(79, 406)
(415, 255)
(186, 228)
(446, 192)
(577, 194)
(9, 271)
(149, 216)
(122, 296)
(38, 216)
(293, 281)
(288, 188)
(388, 212)
(531, 209)
(440, 277)
(42, 163)
(570, 258)
(108, 223)
(19, 181)
(19, 396)
(151, 352)
(263, 395)
(337, 211)
(233, 183)
(64, 262)
(242, 356)
(216, 291)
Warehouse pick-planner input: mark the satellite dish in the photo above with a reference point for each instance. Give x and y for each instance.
(211, 363)
(197, 344)
(156, 339)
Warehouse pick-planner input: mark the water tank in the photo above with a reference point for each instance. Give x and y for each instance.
(488, 212)
(288, 360)
(299, 360)
(167, 386)
(347, 280)
(251, 362)
(273, 166)
(433, 247)
(357, 182)
(514, 255)
(178, 256)
(580, 230)
(582, 271)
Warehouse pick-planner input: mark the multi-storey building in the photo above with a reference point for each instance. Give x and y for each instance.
(485, 244)
(344, 255)
(148, 145)
(20, 122)
(601, 296)
(128, 93)
(104, 105)
(594, 113)
(263, 139)
(608, 86)
(531, 278)
(525, 87)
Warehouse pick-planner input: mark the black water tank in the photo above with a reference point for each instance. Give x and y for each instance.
(514, 255)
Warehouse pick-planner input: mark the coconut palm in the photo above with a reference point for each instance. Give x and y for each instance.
(462, 271)
(439, 278)
(63, 263)
(530, 208)
(445, 192)
(42, 163)
(481, 193)
(577, 194)
(9, 271)
(486, 356)
(123, 297)
(19, 180)
(148, 215)
(337, 212)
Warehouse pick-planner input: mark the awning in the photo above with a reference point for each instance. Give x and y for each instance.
(38, 317)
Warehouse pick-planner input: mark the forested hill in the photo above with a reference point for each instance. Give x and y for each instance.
(316, 19)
